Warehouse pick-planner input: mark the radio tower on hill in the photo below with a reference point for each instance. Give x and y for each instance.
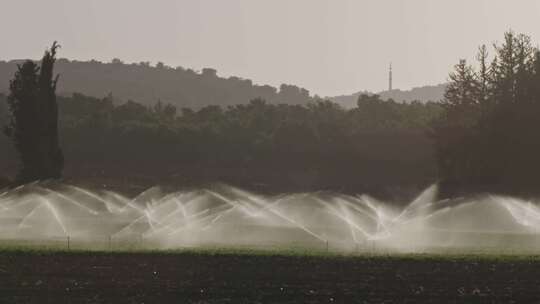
(390, 78)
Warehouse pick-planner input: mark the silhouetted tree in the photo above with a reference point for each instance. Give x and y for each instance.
(166, 112)
(483, 74)
(33, 124)
(486, 136)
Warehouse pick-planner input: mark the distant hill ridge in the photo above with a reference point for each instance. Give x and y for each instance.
(147, 84)
(423, 94)
(183, 87)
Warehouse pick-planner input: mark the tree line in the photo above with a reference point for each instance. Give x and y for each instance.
(319, 145)
(379, 144)
(480, 137)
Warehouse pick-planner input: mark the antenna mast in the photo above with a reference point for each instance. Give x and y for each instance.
(390, 78)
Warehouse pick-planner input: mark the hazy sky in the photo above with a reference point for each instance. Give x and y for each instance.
(327, 46)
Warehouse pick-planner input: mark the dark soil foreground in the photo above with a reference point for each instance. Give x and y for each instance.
(27, 277)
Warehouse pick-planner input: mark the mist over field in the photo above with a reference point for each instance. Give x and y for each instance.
(253, 151)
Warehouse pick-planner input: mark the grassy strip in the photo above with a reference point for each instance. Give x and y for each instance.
(456, 256)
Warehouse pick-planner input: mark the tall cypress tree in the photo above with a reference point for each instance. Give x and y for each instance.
(33, 126)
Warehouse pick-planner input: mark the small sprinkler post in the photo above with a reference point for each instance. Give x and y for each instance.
(68, 242)
(537, 237)
(327, 246)
(110, 242)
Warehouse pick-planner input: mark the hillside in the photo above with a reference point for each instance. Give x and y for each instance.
(147, 84)
(182, 87)
(423, 94)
